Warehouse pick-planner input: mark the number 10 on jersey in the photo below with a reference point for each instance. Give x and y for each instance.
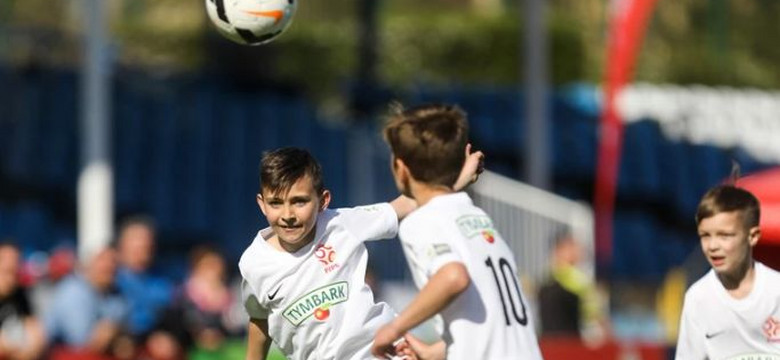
(507, 293)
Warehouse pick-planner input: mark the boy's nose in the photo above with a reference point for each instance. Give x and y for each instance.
(712, 245)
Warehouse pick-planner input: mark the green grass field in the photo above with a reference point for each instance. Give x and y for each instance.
(231, 350)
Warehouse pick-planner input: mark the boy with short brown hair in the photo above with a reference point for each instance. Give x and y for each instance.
(465, 271)
(733, 312)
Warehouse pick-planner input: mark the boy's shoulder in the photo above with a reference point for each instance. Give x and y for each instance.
(770, 272)
(257, 258)
(770, 277)
(702, 288)
(357, 216)
(444, 209)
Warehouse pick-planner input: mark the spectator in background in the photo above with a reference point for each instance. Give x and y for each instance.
(569, 302)
(61, 263)
(203, 305)
(206, 298)
(200, 316)
(147, 295)
(87, 312)
(21, 334)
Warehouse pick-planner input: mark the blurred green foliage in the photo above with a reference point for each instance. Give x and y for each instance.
(714, 42)
(436, 42)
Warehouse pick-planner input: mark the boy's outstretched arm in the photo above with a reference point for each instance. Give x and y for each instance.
(472, 167)
(257, 343)
(443, 287)
(403, 206)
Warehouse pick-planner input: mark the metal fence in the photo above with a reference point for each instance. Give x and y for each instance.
(529, 219)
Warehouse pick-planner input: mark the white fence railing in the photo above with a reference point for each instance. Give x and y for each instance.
(529, 220)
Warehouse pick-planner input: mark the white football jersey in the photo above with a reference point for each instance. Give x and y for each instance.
(316, 300)
(491, 319)
(715, 325)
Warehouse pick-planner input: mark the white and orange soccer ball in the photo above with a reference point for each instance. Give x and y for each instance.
(251, 22)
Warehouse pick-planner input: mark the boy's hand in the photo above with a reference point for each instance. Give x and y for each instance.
(472, 167)
(403, 351)
(424, 351)
(383, 341)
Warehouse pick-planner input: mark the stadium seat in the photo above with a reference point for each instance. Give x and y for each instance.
(636, 254)
(712, 167)
(639, 175)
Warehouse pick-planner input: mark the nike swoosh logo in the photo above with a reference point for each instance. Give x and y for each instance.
(272, 296)
(712, 335)
(276, 14)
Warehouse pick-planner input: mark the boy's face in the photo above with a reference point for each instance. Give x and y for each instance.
(726, 242)
(293, 216)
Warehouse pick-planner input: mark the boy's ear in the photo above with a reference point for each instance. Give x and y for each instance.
(401, 170)
(261, 203)
(754, 235)
(324, 200)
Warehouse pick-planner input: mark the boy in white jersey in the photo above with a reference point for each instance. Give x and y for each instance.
(733, 312)
(464, 269)
(303, 277)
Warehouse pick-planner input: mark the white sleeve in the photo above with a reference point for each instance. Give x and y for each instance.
(690, 341)
(431, 249)
(371, 222)
(251, 303)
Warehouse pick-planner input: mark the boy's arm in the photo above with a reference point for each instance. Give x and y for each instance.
(257, 343)
(403, 206)
(444, 286)
(472, 167)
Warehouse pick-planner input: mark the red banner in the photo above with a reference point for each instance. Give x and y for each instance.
(628, 21)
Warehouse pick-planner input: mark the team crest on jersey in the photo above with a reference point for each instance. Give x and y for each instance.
(489, 236)
(473, 225)
(327, 257)
(317, 303)
(772, 329)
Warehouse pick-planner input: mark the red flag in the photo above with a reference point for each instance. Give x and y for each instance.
(628, 21)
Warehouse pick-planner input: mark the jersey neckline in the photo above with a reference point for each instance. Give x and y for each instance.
(751, 298)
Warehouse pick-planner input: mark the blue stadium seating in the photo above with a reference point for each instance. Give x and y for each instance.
(639, 167)
(187, 153)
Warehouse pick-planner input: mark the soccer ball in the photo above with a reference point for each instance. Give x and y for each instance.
(251, 22)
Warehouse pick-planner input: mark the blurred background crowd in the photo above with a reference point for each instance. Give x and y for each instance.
(117, 305)
(189, 115)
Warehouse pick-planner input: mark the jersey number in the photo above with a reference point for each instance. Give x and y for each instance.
(504, 268)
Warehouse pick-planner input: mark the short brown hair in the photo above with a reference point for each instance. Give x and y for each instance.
(281, 168)
(728, 198)
(430, 140)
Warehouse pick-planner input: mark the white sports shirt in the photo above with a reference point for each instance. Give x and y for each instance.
(491, 319)
(715, 325)
(316, 300)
